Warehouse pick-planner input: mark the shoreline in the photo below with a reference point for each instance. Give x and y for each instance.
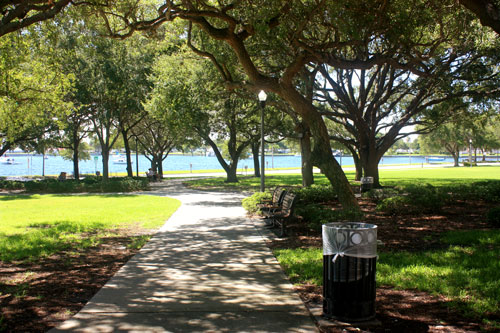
(248, 172)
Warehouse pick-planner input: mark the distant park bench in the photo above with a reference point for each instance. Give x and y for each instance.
(280, 216)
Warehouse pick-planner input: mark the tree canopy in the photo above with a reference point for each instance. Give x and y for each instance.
(412, 56)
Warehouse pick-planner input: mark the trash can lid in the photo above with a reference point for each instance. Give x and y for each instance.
(366, 180)
(353, 239)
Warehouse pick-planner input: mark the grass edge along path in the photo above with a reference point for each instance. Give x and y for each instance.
(35, 226)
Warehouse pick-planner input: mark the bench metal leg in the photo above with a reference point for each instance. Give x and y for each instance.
(282, 229)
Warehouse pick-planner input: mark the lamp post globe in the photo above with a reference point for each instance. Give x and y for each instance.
(262, 97)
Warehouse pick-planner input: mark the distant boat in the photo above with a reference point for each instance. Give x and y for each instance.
(7, 160)
(120, 160)
(435, 159)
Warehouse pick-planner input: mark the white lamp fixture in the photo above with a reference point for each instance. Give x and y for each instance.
(262, 98)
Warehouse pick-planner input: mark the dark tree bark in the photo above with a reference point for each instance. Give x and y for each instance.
(6, 146)
(231, 168)
(306, 154)
(357, 162)
(454, 149)
(487, 11)
(128, 153)
(76, 158)
(105, 162)
(255, 153)
(321, 156)
(21, 14)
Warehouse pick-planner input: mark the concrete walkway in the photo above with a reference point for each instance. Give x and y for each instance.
(206, 270)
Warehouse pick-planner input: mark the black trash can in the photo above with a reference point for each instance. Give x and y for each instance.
(366, 184)
(349, 266)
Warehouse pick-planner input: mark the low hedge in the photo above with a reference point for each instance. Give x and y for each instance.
(250, 203)
(89, 184)
(493, 216)
(11, 185)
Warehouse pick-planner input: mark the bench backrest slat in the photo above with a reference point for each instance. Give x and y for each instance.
(288, 204)
(278, 195)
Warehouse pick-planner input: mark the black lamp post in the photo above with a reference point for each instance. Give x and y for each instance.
(136, 158)
(470, 152)
(262, 100)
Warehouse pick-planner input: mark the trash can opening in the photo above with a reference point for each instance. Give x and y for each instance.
(349, 267)
(353, 239)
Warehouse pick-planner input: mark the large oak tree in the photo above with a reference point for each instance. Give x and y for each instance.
(400, 33)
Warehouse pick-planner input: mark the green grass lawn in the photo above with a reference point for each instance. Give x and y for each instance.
(439, 176)
(434, 176)
(467, 273)
(40, 225)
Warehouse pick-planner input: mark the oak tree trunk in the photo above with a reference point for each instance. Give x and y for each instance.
(307, 167)
(322, 155)
(256, 164)
(127, 154)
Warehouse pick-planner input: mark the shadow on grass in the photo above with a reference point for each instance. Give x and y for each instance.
(18, 197)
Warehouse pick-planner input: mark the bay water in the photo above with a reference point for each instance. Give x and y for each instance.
(32, 165)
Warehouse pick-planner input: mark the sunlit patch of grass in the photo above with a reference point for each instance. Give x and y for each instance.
(40, 225)
(253, 183)
(436, 177)
(439, 176)
(467, 273)
(138, 241)
(304, 266)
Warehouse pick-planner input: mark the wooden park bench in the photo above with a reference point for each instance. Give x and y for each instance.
(275, 202)
(281, 215)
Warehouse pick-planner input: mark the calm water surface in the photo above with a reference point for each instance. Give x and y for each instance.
(29, 165)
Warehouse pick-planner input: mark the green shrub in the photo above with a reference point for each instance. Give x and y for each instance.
(250, 203)
(394, 205)
(11, 185)
(484, 190)
(126, 184)
(315, 194)
(426, 198)
(487, 190)
(315, 215)
(378, 194)
(91, 180)
(93, 185)
(493, 216)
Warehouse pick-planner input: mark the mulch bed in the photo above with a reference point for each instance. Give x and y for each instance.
(401, 310)
(35, 297)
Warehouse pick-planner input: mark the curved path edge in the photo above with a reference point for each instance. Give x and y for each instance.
(206, 270)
